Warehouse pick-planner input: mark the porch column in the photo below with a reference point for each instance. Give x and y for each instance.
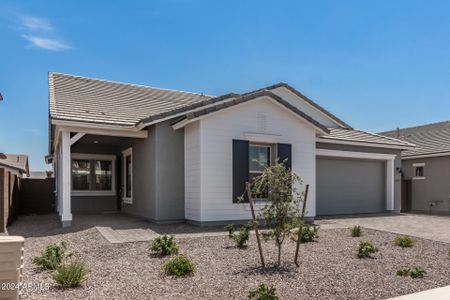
(65, 184)
(390, 184)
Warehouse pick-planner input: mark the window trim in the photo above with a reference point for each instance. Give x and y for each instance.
(125, 153)
(104, 157)
(418, 165)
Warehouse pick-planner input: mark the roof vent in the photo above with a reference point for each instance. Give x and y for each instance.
(261, 122)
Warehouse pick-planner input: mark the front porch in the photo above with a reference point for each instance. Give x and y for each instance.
(93, 169)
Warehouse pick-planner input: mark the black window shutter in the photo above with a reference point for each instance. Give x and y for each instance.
(284, 151)
(240, 168)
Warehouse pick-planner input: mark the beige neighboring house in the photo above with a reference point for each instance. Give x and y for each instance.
(13, 167)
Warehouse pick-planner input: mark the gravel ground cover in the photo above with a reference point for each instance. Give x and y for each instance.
(329, 268)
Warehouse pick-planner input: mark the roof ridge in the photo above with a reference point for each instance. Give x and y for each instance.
(51, 73)
(417, 127)
(383, 136)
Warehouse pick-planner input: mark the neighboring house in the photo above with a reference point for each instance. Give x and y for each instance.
(426, 169)
(169, 156)
(12, 168)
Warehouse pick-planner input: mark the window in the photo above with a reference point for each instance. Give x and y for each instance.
(419, 169)
(259, 159)
(127, 176)
(93, 174)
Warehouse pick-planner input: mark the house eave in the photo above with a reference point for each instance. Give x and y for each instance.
(363, 144)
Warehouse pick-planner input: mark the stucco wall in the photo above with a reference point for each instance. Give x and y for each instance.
(215, 134)
(435, 186)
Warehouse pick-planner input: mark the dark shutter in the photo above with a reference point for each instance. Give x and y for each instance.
(240, 168)
(284, 151)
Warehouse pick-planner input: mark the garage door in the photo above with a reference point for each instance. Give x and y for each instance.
(346, 186)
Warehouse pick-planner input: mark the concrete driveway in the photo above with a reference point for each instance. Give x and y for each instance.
(435, 228)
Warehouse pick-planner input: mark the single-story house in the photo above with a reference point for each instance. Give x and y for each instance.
(13, 167)
(168, 156)
(426, 168)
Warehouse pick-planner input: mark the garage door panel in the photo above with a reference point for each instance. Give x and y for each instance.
(350, 186)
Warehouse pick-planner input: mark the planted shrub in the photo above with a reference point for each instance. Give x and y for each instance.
(403, 272)
(404, 241)
(263, 292)
(356, 231)
(52, 256)
(230, 229)
(309, 233)
(365, 249)
(240, 238)
(164, 245)
(416, 273)
(179, 266)
(70, 274)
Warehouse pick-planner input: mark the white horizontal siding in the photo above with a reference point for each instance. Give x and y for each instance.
(305, 107)
(192, 172)
(217, 133)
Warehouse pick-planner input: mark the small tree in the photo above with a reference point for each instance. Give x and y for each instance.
(281, 213)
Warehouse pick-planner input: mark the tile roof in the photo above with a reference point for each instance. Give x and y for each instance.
(92, 100)
(356, 135)
(15, 161)
(430, 139)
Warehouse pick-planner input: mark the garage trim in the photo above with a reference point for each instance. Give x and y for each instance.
(389, 158)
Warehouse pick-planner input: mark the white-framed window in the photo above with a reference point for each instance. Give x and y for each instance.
(260, 157)
(419, 171)
(93, 174)
(127, 158)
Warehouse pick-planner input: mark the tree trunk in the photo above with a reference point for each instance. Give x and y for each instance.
(279, 254)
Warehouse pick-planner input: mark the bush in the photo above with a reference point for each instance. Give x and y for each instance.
(52, 256)
(164, 245)
(263, 292)
(178, 266)
(309, 233)
(356, 231)
(230, 229)
(416, 273)
(70, 274)
(365, 249)
(242, 237)
(404, 241)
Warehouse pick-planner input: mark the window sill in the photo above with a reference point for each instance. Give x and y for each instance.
(418, 178)
(93, 193)
(127, 200)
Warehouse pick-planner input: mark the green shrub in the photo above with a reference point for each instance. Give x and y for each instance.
(403, 272)
(164, 245)
(241, 238)
(356, 231)
(52, 256)
(448, 253)
(416, 273)
(70, 274)
(230, 229)
(365, 249)
(309, 233)
(263, 292)
(404, 241)
(179, 266)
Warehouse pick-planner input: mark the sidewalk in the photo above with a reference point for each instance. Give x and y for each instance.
(442, 293)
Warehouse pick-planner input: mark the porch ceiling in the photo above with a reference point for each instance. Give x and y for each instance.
(90, 139)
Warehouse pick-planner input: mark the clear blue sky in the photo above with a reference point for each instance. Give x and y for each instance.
(375, 64)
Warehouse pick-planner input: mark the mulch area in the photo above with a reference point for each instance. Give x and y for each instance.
(330, 268)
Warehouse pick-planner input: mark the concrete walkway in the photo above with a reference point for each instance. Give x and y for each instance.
(442, 293)
(435, 228)
(118, 236)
